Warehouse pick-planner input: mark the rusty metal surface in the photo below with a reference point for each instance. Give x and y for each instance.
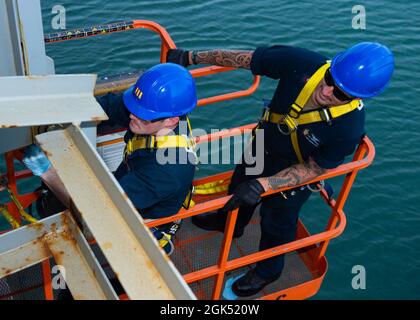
(25, 247)
(143, 269)
(57, 236)
(82, 271)
(43, 100)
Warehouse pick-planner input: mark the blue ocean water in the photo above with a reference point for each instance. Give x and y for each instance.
(382, 232)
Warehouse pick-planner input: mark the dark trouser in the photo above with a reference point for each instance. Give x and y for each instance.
(279, 216)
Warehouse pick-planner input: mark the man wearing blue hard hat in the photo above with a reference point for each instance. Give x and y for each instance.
(152, 110)
(313, 121)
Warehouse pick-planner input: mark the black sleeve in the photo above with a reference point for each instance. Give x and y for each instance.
(276, 61)
(115, 109)
(149, 186)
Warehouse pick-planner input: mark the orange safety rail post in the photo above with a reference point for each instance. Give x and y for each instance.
(11, 181)
(363, 157)
(224, 254)
(12, 177)
(338, 206)
(166, 44)
(46, 276)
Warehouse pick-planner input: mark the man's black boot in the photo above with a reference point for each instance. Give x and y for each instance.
(251, 283)
(214, 222)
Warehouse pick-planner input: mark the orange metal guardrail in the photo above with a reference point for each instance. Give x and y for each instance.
(363, 157)
(166, 44)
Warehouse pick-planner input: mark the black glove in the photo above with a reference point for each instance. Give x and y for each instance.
(247, 194)
(178, 56)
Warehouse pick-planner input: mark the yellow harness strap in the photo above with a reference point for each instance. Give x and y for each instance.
(211, 187)
(188, 202)
(307, 90)
(22, 212)
(296, 148)
(294, 117)
(164, 142)
(160, 142)
(315, 116)
(8, 216)
(153, 142)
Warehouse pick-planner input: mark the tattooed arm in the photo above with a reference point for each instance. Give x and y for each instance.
(292, 176)
(223, 58)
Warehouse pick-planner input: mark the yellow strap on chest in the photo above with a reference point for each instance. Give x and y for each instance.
(307, 90)
(313, 116)
(295, 117)
(160, 142)
(296, 148)
(152, 142)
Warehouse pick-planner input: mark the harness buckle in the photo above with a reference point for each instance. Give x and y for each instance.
(128, 147)
(289, 124)
(151, 143)
(325, 115)
(191, 146)
(322, 185)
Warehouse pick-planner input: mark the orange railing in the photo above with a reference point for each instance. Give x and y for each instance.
(166, 44)
(363, 157)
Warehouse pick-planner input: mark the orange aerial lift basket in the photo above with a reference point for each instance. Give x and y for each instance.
(207, 259)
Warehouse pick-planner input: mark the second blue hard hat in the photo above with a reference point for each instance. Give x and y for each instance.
(163, 91)
(364, 70)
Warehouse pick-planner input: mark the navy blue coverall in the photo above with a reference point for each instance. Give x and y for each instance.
(156, 190)
(327, 144)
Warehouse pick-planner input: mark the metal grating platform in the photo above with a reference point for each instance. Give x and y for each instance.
(197, 249)
(27, 284)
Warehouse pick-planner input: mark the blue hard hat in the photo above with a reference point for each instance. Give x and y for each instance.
(364, 70)
(164, 91)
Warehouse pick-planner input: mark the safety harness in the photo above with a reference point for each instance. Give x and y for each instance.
(139, 142)
(161, 142)
(295, 117)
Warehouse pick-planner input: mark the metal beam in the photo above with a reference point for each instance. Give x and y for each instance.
(32, 38)
(24, 247)
(59, 237)
(143, 269)
(11, 57)
(43, 100)
(22, 52)
(83, 274)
